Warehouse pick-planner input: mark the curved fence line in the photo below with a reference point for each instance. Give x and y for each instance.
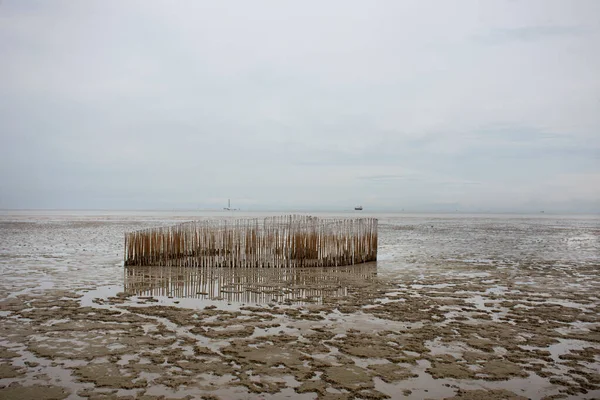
(272, 242)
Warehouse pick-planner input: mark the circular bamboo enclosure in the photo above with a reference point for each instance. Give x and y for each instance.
(273, 242)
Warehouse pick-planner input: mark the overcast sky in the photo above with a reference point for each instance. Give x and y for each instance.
(424, 105)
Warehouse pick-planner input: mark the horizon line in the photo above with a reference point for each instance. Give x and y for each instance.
(330, 210)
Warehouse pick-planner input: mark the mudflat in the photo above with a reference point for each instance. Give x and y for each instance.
(460, 307)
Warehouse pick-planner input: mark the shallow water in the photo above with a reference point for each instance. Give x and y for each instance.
(63, 249)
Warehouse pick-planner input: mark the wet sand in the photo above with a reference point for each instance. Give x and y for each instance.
(456, 307)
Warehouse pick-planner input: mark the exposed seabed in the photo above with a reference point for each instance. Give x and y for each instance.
(442, 314)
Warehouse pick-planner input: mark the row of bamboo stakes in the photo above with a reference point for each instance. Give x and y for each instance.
(273, 242)
(249, 285)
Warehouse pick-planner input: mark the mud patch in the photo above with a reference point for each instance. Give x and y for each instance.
(16, 391)
(108, 375)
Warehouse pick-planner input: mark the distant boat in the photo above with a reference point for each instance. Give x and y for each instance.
(358, 208)
(228, 208)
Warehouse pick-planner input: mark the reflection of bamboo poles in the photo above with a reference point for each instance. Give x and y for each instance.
(249, 285)
(290, 241)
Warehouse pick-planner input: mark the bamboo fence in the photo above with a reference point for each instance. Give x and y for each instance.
(273, 242)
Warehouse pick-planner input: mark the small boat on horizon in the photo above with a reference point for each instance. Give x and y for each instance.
(228, 208)
(358, 208)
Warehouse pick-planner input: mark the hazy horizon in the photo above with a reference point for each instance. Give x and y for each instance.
(349, 210)
(425, 106)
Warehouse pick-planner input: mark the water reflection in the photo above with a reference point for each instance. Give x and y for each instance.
(248, 285)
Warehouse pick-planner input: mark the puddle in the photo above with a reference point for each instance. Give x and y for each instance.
(247, 285)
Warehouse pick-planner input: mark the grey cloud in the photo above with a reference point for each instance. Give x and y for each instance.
(529, 33)
(385, 178)
(298, 105)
